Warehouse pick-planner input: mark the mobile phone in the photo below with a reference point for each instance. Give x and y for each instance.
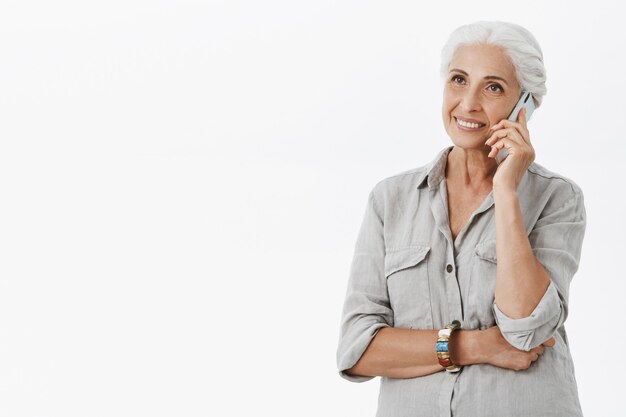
(525, 101)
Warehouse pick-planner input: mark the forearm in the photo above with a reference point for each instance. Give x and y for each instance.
(409, 353)
(521, 279)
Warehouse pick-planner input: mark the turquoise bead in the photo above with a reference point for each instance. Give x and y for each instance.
(442, 346)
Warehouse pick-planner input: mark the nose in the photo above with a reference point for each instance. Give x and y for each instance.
(471, 101)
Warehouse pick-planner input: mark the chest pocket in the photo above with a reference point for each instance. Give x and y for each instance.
(406, 270)
(483, 283)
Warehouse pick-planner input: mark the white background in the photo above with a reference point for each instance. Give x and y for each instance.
(182, 184)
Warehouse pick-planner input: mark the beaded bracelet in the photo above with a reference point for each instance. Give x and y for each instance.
(443, 353)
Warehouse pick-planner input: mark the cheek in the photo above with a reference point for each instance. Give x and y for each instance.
(497, 112)
(501, 110)
(451, 98)
(445, 111)
(448, 103)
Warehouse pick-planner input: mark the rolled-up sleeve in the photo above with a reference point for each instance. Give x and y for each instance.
(366, 307)
(556, 241)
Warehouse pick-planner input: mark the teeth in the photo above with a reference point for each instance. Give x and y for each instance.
(467, 124)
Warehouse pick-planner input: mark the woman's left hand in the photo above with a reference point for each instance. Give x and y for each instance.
(513, 136)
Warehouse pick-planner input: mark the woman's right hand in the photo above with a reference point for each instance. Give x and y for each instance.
(497, 351)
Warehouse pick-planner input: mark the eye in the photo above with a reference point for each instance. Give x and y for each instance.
(457, 77)
(497, 86)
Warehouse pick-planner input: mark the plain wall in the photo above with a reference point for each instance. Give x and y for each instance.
(182, 184)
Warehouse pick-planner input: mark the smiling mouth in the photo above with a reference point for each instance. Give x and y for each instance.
(469, 126)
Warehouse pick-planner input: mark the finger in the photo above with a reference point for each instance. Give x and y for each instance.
(513, 136)
(521, 127)
(524, 132)
(533, 356)
(494, 136)
(524, 121)
(521, 117)
(508, 123)
(538, 350)
(502, 143)
(495, 149)
(508, 132)
(550, 342)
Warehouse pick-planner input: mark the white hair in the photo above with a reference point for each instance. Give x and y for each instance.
(518, 43)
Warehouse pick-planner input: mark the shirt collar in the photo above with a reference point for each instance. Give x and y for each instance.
(435, 171)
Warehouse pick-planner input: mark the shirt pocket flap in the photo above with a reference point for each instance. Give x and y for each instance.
(487, 250)
(402, 258)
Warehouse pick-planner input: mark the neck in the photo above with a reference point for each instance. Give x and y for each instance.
(470, 167)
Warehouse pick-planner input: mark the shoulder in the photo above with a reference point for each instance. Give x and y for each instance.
(554, 189)
(400, 184)
(546, 177)
(406, 183)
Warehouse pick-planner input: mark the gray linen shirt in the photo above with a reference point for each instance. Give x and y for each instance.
(398, 278)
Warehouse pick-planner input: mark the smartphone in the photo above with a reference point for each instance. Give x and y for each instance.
(525, 101)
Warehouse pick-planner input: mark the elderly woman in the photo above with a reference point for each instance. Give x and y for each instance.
(458, 289)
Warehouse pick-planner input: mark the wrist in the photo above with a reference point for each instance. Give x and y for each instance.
(465, 347)
(504, 189)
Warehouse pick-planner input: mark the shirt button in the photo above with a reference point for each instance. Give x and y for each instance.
(449, 268)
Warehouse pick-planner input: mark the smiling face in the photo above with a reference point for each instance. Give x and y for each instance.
(480, 90)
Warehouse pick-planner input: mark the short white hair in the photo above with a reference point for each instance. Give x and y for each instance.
(518, 43)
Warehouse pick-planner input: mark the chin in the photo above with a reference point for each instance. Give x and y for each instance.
(465, 142)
